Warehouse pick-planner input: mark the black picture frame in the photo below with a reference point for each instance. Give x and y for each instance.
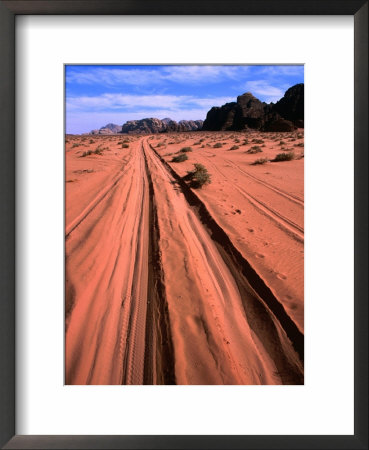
(8, 11)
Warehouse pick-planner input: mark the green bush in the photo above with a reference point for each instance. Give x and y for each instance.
(180, 158)
(284, 157)
(234, 147)
(199, 177)
(255, 149)
(92, 152)
(186, 149)
(260, 161)
(218, 145)
(258, 141)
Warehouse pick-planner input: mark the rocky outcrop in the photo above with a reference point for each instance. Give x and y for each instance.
(110, 128)
(291, 105)
(144, 126)
(153, 126)
(220, 117)
(190, 125)
(250, 113)
(279, 125)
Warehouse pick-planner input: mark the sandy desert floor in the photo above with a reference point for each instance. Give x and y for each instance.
(166, 284)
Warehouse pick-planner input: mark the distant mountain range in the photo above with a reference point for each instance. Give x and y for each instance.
(110, 128)
(150, 126)
(247, 112)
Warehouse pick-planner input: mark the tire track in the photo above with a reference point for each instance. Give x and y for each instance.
(108, 256)
(293, 198)
(159, 355)
(212, 260)
(99, 198)
(285, 224)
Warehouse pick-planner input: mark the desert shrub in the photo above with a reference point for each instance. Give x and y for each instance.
(91, 141)
(75, 145)
(282, 143)
(301, 144)
(260, 161)
(199, 177)
(254, 149)
(180, 158)
(245, 142)
(160, 144)
(186, 149)
(284, 157)
(236, 141)
(234, 147)
(258, 141)
(92, 152)
(218, 145)
(125, 145)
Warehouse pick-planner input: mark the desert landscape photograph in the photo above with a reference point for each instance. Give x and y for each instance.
(184, 225)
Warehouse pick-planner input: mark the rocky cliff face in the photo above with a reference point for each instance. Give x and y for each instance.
(153, 126)
(249, 112)
(291, 106)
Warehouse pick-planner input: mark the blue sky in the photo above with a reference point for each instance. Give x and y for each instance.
(97, 95)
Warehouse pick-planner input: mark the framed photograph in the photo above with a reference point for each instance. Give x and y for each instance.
(184, 224)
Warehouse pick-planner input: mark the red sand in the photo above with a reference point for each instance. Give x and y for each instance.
(156, 292)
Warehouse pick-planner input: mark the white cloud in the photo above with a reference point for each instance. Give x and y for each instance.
(132, 102)
(142, 77)
(276, 71)
(265, 90)
(183, 74)
(112, 77)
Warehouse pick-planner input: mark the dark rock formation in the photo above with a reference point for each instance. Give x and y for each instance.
(220, 117)
(144, 126)
(249, 112)
(153, 126)
(279, 125)
(110, 128)
(291, 105)
(190, 125)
